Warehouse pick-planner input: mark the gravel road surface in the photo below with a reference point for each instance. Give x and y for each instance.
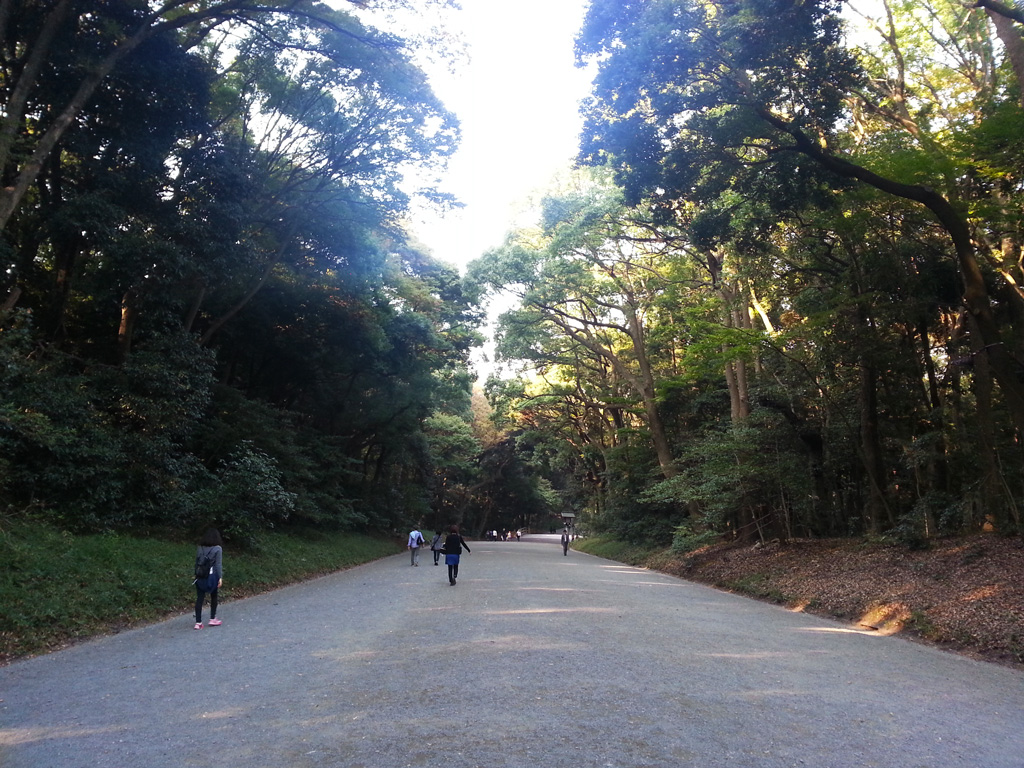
(533, 659)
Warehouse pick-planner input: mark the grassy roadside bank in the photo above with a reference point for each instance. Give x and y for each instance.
(56, 588)
(623, 552)
(963, 595)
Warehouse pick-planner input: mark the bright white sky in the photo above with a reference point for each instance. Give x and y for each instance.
(517, 99)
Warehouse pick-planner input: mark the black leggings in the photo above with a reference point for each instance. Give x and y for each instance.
(200, 599)
(453, 572)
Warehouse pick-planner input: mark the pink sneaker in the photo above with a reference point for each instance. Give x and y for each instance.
(199, 625)
(215, 622)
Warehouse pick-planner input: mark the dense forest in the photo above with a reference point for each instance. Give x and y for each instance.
(211, 311)
(783, 294)
(780, 295)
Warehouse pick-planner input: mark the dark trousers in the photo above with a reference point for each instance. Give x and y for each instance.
(200, 599)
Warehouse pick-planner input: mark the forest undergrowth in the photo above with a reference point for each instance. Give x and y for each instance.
(964, 595)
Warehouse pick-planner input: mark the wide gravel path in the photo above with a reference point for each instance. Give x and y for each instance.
(533, 659)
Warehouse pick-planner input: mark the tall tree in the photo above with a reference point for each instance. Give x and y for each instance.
(587, 284)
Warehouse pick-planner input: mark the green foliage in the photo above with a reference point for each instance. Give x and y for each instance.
(687, 538)
(238, 207)
(768, 285)
(115, 433)
(671, 120)
(507, 492)
(323, 478)
(733, 155)
(629, 512)
(611, 548)
(58, 586)
(248, 496)
(737, 338)
(451, 438)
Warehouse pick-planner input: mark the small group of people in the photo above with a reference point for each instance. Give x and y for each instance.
(211, 548)
(450, 546)
(504, 535)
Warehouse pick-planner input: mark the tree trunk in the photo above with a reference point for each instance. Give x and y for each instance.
(876, 508)
(64, 263)
(734, 391)
(990, 485)
(647, 392)
(193, 311)
(14, 109)
(659, 438)
(12, 299)
(129, 313)
(938, 467)
(735, 370)
(1014, 45)
(11, 196)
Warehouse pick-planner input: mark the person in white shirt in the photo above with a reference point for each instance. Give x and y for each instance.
(415, 539)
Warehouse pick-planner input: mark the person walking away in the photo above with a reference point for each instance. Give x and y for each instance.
(415, 539)
(565, 542)
(211, 548)
(437, 546)
(453, 546)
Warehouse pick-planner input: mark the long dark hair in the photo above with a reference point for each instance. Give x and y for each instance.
(211, 538)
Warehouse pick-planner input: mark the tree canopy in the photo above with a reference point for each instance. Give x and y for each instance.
(213, 313)
(779, 295)
(814, 262)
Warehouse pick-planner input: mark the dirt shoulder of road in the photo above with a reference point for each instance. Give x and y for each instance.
(964, 595)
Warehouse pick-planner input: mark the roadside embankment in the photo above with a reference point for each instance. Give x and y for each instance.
(965, 595)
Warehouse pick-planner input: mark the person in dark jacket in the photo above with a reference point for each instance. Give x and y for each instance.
(565, 542)
(453, 546)
(210, 546)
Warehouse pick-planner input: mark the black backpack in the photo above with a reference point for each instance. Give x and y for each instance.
(204, 566)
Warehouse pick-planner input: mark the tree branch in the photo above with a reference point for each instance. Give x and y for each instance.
(994, 6)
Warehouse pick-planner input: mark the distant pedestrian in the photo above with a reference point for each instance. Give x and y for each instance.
(453, 546)
(565, 542)
(415, 540)
(210, 547)
(437, 546)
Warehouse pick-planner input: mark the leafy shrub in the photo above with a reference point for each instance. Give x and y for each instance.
(688, 538)
(102, 448)
(248, 495)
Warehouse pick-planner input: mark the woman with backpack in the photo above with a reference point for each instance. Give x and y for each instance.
(209, 556)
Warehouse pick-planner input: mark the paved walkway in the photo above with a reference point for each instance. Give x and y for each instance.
(533, 659)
